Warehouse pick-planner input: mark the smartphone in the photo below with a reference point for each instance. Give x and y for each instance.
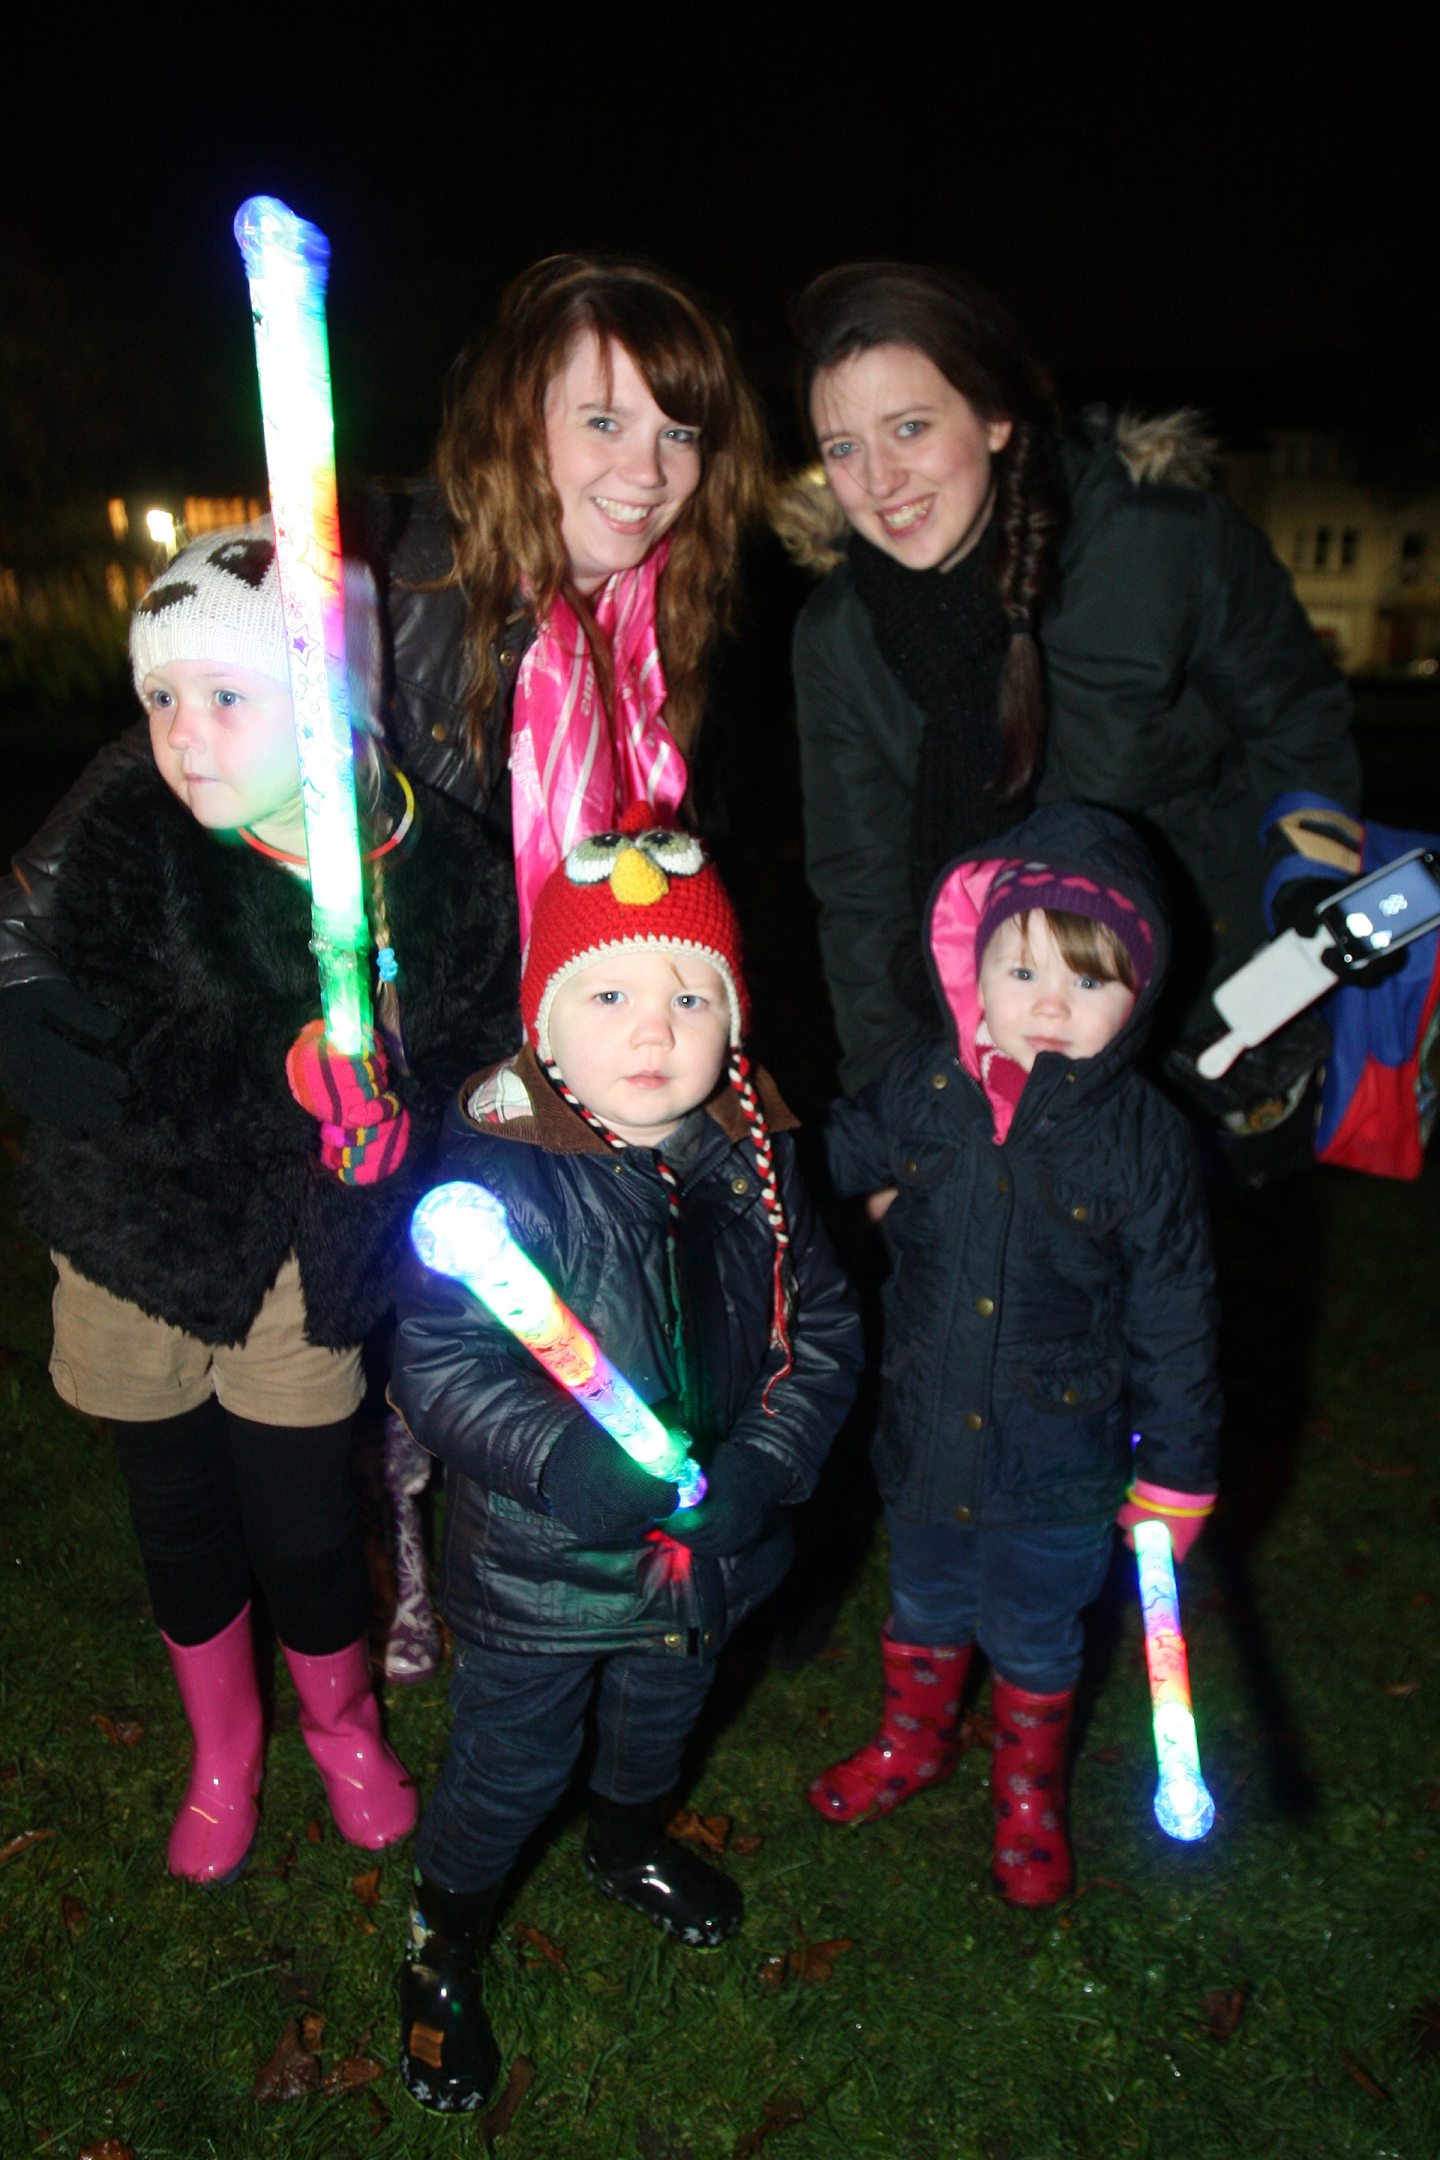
(1385, 909)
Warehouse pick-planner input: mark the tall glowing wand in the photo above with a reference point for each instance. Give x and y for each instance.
(1183, 1806)
(460, 1230)
(287, 262)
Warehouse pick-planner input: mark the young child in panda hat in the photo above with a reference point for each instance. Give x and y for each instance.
(650, 1176)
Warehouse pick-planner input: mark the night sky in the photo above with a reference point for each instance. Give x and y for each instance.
(1175, 201)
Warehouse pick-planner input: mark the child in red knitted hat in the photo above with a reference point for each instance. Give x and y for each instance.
(650, 1176)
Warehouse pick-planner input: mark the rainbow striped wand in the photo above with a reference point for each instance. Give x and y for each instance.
(461, 1230)
(286, 262)
(1183, 1806)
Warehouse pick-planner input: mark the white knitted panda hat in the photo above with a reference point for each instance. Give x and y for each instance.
(218, 600)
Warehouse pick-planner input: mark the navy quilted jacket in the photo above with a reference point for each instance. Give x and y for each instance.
(1052, 1295)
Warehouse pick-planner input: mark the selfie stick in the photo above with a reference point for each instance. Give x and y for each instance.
(1183, 1806)
(286, 262)
(460, 1230)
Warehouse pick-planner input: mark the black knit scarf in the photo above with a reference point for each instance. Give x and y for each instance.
(944, 636)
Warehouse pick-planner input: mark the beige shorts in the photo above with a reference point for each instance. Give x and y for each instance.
(112, 1360)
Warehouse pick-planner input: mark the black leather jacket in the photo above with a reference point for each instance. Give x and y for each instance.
(516, 1578)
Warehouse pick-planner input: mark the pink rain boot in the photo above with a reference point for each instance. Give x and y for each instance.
(1032, 1852)
(918, 1739)
(212, 1835)
(370, 1794)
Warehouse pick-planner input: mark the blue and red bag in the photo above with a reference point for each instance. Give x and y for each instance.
(1382, 1081)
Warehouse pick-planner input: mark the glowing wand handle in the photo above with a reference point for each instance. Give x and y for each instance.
(287, 262)
(461, 1230)
(1183, 1806)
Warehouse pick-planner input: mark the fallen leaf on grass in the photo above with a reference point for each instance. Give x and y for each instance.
(742, 1847)
(1223, 2009)
(367, 1886)
(292, 2072)
(710, 1832)
(1425, 2030)
(781, 2113)
(1101, 1882)
(1362, 2077)
(314, 1835)
(1380, 1469)
(356, 2070)
(1401, 1688)
(1109, 1756)
(549, 1953)
(824, 1719)
(1357, 1567)
(977, 1729)
(285, 1865)
(9, 1771)
(813, 1963)
(126, 1732)
(1423, 1597)
(17, 1845)
(497, 2120)
(74, 1915)
(378, 2112)
(107, 2149)
(1432, 1801)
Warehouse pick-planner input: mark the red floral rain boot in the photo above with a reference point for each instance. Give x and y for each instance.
(1032, 1852)
(918, 1740)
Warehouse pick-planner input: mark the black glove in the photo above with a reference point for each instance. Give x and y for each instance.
(53, 1061)
(744, 1489)
(1295, 907)
(593, 1486)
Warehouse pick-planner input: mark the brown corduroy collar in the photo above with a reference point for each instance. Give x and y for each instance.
(515, 1101)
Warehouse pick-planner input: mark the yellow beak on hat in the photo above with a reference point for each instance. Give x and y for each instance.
(636, 881)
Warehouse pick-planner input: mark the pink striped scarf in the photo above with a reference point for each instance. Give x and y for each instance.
(572, 772)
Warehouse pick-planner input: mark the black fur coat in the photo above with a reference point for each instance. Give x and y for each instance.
(190, 1203)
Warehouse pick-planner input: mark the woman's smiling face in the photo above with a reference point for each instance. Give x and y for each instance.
(622, 468)
(910, 460)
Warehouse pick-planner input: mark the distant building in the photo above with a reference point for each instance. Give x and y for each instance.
(1366, 567)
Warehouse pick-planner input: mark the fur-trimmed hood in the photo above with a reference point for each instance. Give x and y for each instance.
(1173, 449)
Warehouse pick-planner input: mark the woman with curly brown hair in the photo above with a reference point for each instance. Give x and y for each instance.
(1019, 611)
(556, 591)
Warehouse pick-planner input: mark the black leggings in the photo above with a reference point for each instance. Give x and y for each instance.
(215, 1498)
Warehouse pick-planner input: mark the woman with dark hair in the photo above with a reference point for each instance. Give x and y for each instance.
(1014, 611)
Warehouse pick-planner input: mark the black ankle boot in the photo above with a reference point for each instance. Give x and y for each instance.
(628, 1854)
(448, 2057)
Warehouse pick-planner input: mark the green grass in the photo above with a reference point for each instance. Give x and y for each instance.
(952, 2026)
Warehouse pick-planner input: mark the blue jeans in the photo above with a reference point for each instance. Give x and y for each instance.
(1018, 1589)
(517, 1731)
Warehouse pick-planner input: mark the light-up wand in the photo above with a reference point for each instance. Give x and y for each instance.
(461, 1230)
(1183, 1806)
(287, 262)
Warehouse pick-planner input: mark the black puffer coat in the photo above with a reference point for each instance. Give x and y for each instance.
(1050, 1295)
(594, 1222)
(190, 1203)
(1186, 690)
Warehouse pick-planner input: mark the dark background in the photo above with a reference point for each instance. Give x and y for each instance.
(1231, 207)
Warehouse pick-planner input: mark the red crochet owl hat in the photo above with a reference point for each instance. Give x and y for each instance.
(642, 884)
(645, 884)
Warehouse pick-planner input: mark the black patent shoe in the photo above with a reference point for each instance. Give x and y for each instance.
(677, 1891)
(448, 2058)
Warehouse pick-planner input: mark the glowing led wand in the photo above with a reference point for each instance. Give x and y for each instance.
(286, 262)
(461, 1230)
(1183, 1806)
